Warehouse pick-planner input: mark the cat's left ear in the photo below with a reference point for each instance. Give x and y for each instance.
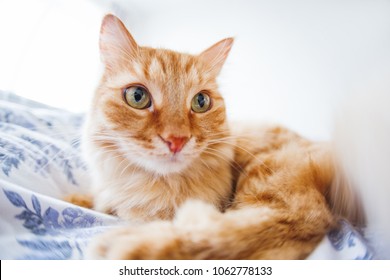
(215, 56)
(116, 43)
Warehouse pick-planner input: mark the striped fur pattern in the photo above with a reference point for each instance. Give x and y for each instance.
(232, 192)
(136, 176)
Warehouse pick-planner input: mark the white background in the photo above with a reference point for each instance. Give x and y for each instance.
(293, 62)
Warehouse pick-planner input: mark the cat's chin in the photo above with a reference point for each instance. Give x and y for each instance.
(164, 165)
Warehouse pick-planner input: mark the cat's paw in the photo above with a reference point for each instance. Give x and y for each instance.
(156, 240)
(187, 216)
(186, 237)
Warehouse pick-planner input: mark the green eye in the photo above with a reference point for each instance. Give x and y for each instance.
(200, 103)
(137, 97)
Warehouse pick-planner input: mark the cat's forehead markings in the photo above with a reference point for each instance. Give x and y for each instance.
(138, 69)
(156, 94)
(154, 66)
(121, 79)
(192, 72)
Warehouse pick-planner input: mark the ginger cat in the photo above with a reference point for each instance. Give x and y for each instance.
(162, 152)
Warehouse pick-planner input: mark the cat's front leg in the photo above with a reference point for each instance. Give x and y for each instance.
(156, 240)
(183, 238)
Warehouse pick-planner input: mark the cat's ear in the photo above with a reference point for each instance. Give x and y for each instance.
(215, 56)
(116, 43)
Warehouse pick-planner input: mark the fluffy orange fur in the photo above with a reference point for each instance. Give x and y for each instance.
(230, 192)
(135, 174)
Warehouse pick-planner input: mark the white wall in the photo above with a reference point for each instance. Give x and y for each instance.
(293, 61)
(49, 50)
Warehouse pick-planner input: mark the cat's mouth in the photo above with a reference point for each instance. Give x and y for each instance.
(161, 164)
(175, 158)
(166, 164)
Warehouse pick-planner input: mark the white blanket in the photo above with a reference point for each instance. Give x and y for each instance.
(40, 163)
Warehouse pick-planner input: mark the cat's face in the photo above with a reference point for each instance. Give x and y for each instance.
(160, 109)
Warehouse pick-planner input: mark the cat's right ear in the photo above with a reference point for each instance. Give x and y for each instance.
(116, 43)
(215, 56)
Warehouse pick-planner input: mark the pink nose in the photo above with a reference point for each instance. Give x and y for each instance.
(176, 144)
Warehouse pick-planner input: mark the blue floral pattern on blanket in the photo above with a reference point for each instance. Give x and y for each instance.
(40, 163)
(39, 153)
(49, 221)
(347, 239)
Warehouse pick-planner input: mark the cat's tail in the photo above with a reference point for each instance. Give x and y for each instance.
(361, 190)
